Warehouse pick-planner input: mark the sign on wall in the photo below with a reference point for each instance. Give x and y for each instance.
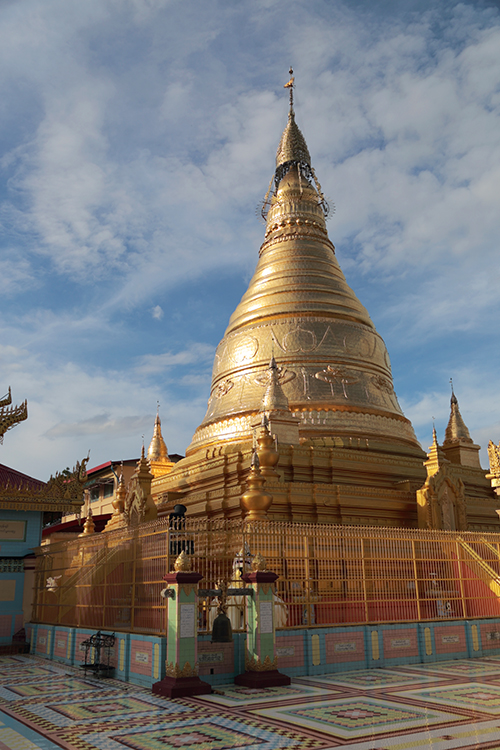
(12, 531)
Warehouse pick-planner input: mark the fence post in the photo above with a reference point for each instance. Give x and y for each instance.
(182, 638)
(415, 575)
(261, 660)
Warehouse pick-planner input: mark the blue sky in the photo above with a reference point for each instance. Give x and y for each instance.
(137, 138)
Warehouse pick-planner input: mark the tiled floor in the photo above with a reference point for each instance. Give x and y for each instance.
(443, 706)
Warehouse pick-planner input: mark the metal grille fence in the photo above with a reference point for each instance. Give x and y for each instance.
(328, 575)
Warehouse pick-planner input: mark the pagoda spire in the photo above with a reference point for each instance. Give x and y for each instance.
(158, 458)
(456, 429)
(435, 457)
(334, 368)
(458, 445)
(157, 450)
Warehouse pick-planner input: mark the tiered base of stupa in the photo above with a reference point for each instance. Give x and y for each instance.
(329, 480)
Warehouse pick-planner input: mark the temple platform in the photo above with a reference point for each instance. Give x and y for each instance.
(443, 706)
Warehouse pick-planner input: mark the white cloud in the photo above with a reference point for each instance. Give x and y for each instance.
(138, 137)
(195, 354)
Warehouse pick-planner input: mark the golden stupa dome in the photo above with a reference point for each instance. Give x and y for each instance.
(333, 366)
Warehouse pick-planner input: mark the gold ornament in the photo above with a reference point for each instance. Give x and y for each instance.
(183, 563)
(259, 562)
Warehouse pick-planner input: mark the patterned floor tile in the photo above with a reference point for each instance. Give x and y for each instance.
(106, 706)
(206, 733)
(366, 679)
(357, 717)
(28, 673)
(41, 689)
(471, 695)
(233, 695)
(460, 667)
(16, 736)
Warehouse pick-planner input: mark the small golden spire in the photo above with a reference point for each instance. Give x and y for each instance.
(120, 494)
(89, 525)
(456, 429)
(274, 398)
(435, 457)
(157, 450)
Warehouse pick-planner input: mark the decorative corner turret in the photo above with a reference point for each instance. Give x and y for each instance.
(441, 500)
(458, 446)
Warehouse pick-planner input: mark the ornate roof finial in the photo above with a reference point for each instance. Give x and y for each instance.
(290, 85)
(293, 156)
(454, 399)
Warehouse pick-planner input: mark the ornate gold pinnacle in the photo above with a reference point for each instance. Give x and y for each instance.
(256, 501)
(183, 563)
(266, 451)
(259, 562)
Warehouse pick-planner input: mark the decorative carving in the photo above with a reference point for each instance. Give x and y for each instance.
(11, 415)
(382, 384)
(173, 670)
(255, 665)
(223, 388)
(441, 502)
(245, 350)
(299, 340)
(332, 375)
(283, 375)
(494, 457)
(64, 491)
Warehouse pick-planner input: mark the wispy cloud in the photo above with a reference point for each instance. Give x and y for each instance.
(137, 139)
(195, 354)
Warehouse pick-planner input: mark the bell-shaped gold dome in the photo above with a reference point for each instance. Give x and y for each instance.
(333, 365)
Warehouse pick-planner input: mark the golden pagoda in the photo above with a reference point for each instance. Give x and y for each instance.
(301, 348)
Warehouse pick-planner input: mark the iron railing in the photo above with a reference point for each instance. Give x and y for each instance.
(328, 575)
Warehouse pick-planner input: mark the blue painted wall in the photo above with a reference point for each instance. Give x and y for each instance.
(12, 553)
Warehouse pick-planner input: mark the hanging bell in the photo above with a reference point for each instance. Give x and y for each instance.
(222, 631)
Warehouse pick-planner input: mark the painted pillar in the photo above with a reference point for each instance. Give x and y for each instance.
(261, 661)
(181, 667)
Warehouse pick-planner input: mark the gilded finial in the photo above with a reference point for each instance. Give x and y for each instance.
(183, 563)
(454, 399)
(290, 85)
(259, 562)
(256, 501)
(89, 526)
